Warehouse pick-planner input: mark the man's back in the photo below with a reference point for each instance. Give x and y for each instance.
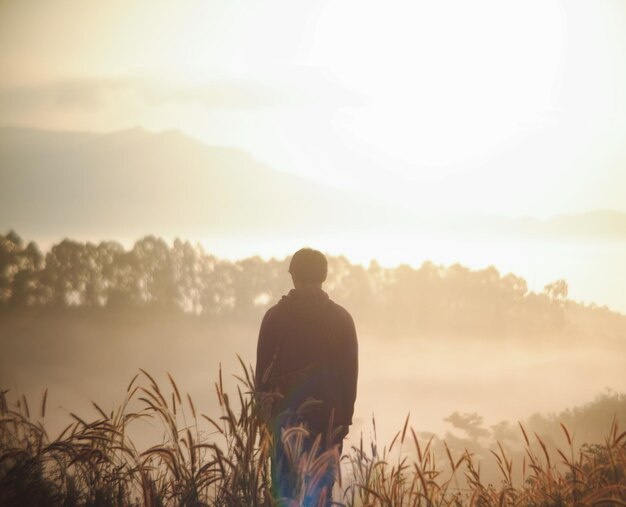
(308, 348)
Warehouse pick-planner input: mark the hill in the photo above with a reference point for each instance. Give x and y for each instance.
(122, 183)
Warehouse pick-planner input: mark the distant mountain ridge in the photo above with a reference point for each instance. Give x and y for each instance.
(593, 223)
(131, 182)
(608, 224)
(136, 181)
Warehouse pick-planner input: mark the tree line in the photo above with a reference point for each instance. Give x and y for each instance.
(154, 275)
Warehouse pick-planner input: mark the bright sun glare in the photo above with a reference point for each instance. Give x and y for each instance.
(453, 80)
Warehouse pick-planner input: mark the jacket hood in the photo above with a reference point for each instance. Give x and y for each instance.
(305, 301)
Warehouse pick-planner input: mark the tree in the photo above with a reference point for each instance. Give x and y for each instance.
(10, 246)
(26, 288)
(557, 290)
(156, 273)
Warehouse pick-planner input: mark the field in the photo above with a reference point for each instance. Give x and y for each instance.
(224, 461)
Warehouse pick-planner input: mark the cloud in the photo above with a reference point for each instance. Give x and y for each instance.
(90, 94)
(292, 88)
(217, 94)
(81, 94)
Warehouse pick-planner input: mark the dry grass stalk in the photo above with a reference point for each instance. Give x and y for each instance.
(225, 461)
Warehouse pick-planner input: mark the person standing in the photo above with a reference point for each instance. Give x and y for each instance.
(307, 358)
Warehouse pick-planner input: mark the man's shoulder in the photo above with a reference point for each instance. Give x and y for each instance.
(278, 309)
(340, 309)
(343, 314)
(271, 312)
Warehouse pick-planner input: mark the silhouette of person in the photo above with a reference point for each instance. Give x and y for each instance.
(307, 352)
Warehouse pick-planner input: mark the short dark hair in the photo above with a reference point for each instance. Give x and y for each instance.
(309, 266)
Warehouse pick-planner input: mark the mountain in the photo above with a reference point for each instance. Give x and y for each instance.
(598, 224)
(605, 223)
(133, 182)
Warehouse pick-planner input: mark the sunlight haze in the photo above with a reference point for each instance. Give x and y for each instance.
(448, 106)
(445, 111)
(460, 164)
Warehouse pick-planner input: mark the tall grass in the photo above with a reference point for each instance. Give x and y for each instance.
(224, 461)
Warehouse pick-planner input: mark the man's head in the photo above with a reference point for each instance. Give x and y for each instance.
(308, 267)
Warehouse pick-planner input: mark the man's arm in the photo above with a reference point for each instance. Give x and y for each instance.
(265, 352)
(350, 368)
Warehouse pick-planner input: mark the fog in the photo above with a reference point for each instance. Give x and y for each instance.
(85, 356)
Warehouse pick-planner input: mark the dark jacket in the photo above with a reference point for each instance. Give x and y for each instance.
(307, 349)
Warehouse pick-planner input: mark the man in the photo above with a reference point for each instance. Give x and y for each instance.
(307, 355)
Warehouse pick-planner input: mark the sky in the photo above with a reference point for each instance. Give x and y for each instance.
(506, 108)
